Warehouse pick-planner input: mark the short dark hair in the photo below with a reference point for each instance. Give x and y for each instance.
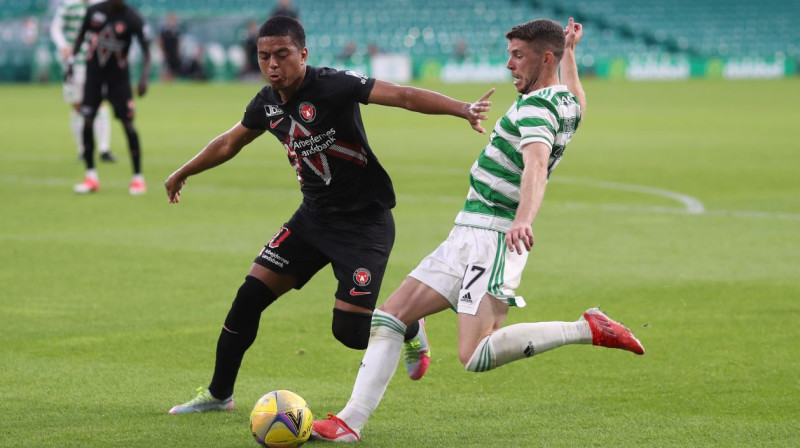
(544, 34)
(284, 26)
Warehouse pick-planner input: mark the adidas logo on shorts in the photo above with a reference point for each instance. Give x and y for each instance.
(466, 298)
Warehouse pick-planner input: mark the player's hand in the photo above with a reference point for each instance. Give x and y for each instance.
(174, 184)
(475, 111)
(518, 237)
(573, 34)
(68, 72)
(142, 87)
(66, 53)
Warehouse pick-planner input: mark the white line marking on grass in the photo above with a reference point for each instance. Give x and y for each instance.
(693, 206)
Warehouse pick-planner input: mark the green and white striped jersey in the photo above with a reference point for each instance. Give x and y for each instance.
(550, 116)
(66, 24)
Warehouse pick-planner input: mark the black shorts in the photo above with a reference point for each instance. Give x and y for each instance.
(357, 245)
(115, 86)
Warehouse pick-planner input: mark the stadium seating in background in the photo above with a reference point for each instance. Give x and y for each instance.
(700, 36)
(699, 27)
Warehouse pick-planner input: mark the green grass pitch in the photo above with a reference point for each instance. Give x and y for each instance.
(676, 209)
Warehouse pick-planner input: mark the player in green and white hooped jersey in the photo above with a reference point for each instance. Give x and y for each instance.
(547, 117)
(63, 30)
(476, 270)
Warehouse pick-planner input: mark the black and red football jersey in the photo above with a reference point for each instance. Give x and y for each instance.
(321, 129)
(109, 32)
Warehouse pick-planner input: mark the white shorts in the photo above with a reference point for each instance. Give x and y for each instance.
(73, 90)
(470, 263)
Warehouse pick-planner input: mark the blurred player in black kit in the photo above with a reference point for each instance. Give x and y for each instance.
(112, 26)
(345, 217)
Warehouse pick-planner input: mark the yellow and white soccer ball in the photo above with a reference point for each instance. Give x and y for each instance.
(281, 419)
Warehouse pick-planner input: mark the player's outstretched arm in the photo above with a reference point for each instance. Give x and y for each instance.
(569, 68)
(217, 152)
(429, 102)
(57, 33)
(76, 47)
(144, 43)
(535, 156)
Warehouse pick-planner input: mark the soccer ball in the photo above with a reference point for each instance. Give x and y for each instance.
(281, 419)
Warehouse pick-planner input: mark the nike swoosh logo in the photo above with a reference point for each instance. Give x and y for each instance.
(353, 292)
(272, 124)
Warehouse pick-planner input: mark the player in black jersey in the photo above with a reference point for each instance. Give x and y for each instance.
(344, 219)
(112, 26)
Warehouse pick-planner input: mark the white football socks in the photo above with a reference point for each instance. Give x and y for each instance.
(102, 129)
(377, 368)
(519, 341)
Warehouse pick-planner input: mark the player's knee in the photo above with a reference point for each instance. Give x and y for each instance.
(252, 298)
(476, 358)
(466, 354)
(351, 328)
(129, 127)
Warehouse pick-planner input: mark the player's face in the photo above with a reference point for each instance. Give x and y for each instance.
(526, 65)
(281, 62)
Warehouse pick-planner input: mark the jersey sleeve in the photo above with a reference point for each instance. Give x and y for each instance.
(537, 122)
(85, 23)
(57, 28)
(142, 31)
(353, 85)
(254, 115)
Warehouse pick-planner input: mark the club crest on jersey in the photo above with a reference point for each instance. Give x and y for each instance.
(98, 18)
(271, 110)
(119, 28)
(362, 277)
(307, 111)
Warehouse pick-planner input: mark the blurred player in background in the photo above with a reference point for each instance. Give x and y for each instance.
(169, 40)
(111, 26)
(250, 70)
(286, 9)
(345, 218)
(477, 269)
(63, 30)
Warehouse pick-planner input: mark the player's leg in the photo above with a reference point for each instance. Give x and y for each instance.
(359, 253)
(285, 262)
(137, 185)
(488, 289)
(358, 247)
(121, 98)
(102, 131)
(432, 287)
(73, 94)
(483, 345)
(261, 287)
(412, 301)
(92, 96)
